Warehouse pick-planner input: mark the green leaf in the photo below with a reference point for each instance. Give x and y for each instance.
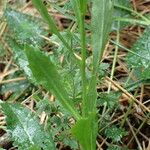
(45, 73)
(111, 99)
(14, 87)
(52, 26)
(80, 8)
(35, 148)
(103, 69)
(43, 105)
(115, 133)
(101, 24)
(121, 13)
(141, 65)
(25, 129)
(21, 58)
(114, 147)
(44, 13)
(85, 130)
(65, 10)
(70, 142)
(102, 11)
(23, 28)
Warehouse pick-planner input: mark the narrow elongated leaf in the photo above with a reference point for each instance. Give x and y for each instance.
(101, 23)
(46, 74)
(76, 8)
(83, 6)
(52, 26)
(85, 131)
(44, 13)
(80, 10)
(25, 129)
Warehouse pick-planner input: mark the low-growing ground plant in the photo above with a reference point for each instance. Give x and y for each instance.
(46, 74)
(78, 113)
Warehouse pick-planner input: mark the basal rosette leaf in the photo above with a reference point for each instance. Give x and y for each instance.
(25, 129)
(141, 65)
(23, 27)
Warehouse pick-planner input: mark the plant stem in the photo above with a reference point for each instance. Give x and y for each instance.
(83, 63)
(80, 14)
